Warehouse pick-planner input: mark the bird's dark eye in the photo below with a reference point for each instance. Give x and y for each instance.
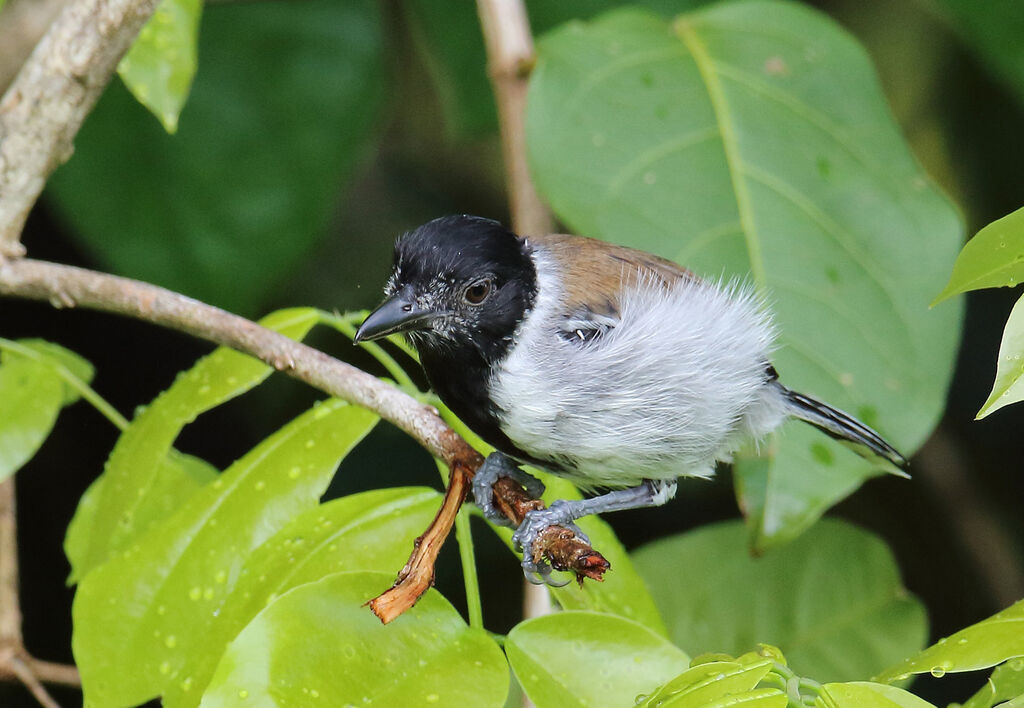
(477, 292)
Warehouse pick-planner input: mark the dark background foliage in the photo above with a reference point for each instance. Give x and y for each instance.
(319, 177)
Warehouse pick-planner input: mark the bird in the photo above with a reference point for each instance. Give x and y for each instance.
(609, 366)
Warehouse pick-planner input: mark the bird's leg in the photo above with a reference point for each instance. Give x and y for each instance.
(499, 465)
(563, 512)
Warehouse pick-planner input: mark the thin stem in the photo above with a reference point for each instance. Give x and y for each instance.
(346, 324)
(83, 389)
(464, 535)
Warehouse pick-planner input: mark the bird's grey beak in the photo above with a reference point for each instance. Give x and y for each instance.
(399, 314)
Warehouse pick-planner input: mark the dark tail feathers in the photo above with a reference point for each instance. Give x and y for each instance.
(843, 427)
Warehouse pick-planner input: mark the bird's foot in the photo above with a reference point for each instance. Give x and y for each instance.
(535, 568)
(498, 465)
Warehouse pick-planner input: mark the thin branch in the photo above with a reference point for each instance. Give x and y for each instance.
(67, 286)
(510, 58)
(10, 612)
(46, 103)
(31, 682)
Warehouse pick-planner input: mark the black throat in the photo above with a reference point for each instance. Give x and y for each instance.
(459, 362)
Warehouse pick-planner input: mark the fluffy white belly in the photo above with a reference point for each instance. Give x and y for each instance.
(676, 385)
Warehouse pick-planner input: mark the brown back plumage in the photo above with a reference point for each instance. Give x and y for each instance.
(595, 272)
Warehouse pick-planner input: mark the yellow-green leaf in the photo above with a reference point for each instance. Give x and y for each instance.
(159, 67)
(318, 645)
(994, 258)
(589, 659)
(1009, 385)
(126, 501)
(139, 616)
(369, 531)
(987, 643)
(863, 694)
(30, 399)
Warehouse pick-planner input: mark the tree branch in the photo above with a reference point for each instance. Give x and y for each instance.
(49, 99)
(510, 58)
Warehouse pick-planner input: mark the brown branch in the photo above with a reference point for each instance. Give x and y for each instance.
(10, 612)
(510, 58)
(46, 103)
(67, 286)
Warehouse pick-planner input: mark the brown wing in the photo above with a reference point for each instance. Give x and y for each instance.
(601, 271)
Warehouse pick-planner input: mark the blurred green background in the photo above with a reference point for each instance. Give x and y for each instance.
(319, 130)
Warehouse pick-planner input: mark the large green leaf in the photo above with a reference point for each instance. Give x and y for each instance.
(863, 694)
(1005, 683)
(137, 479)
(994, 258)
(319, 645)
(589, 659)
(832, 600)
(752, 139)
(281, 110)
(159, 67)
(138, 617)
(368, 531)
(1009, 384)
(987, 643)
(450, 36)
(30, 399)
(178, 477)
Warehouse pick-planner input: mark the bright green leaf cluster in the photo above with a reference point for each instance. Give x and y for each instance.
(994, 258)
(751, 140)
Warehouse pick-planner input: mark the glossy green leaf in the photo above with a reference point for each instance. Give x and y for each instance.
(1009, 385)
(751, 139)
(138, 617)
(130, 500)
(179, 477)
(1005, 683)
(319, 645)
(369, 531)
(987, 643)
(863, 694)
(589, 659)
(159, 67)
(994, 258)
(708, 682)
(57, 357)
(30, 399)
(280, 113)
(832, 600)
(623, 591)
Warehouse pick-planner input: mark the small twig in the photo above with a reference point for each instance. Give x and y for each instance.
(50, 97)
(510, 57)
(31, 682)
(10, 612)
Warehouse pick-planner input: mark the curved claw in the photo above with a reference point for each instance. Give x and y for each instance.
(498, 465)
(536, 521)
(540, 574)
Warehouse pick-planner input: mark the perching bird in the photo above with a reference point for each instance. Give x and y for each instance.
(606, 365)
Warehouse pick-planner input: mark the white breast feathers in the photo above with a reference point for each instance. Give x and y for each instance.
(678, 382)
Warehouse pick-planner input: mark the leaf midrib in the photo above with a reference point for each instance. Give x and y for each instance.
(684, 29)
